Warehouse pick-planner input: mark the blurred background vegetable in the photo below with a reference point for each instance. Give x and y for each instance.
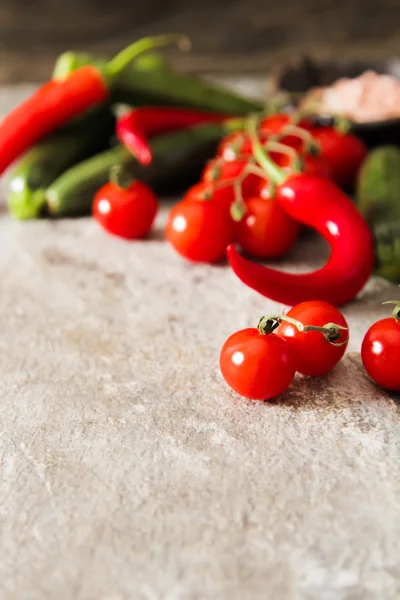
(378, 198)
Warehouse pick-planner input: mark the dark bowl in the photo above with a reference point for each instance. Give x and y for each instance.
(303, 74)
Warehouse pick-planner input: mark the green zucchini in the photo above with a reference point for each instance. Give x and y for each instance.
(178, 158)
(44, 163)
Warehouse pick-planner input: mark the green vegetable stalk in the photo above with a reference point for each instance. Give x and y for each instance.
(151, 81)
(378, 198)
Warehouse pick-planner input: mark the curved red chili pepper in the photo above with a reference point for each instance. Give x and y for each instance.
(320, 204)
(56, 102)
(136, 125)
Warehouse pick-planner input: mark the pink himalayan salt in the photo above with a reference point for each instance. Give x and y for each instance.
(369, 97)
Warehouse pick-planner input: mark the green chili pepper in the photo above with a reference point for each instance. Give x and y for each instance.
(152, 81)
(178, 158)
(46, 161)
(167, 87)
(70, 61)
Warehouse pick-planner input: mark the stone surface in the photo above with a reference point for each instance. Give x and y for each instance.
(130, 471)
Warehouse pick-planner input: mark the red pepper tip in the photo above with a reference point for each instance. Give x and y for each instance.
(146, 159)
(231, 249)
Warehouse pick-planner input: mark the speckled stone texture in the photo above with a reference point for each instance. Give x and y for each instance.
(130, 471)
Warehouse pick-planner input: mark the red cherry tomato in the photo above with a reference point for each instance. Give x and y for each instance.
(275, 123)
(257, 366)
(266, 231)
(220, 170)
(221, 194)
(217, 169)
(313, 353)
(380, 353)
(316, 165)
(236, 144)
(344, 152)
(312, 165)
(200, 230)
(126, 212)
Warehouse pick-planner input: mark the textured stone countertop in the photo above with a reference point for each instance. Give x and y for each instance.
(128, 469)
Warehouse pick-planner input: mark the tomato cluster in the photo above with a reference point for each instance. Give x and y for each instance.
(234, 201)
(237, 199)
(260, 363)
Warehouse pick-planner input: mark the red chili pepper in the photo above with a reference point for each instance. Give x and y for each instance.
(135, 126)
(320, 204)
(58, 101)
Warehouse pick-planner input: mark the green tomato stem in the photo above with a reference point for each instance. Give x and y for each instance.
(276, 174)
(396, 310)
(116, 66)
(121, 177)
(330, 331)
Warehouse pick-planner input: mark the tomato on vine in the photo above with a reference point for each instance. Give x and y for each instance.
(257, 366)
(200, 230)
(220, 171)
(234, 145)
(266, 230)
(273, 124)
(318, 335)
(344, 152)
(221, 194)
(296, 133)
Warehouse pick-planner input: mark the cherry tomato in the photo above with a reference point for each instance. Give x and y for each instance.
(380, 353)
(236, 144)
(313, 353)
(274, 124)
(126, 212)
(257, 366)
(222, 194)
(313, 165)
(200, 230)
(220, 170)
(266, 231)
(344, 152)
(316, 165)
